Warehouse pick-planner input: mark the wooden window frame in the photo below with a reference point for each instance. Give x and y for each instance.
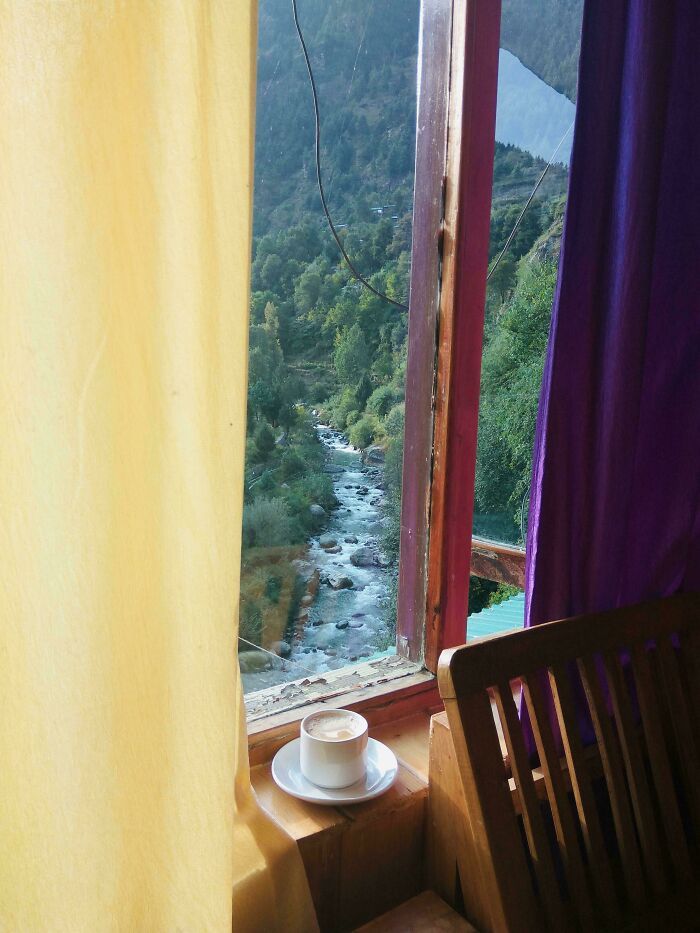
(448, 281)
(455, 146)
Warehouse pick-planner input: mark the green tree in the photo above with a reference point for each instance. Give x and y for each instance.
(307, 290)
(362, 433)
(264, 440)
(351, 358)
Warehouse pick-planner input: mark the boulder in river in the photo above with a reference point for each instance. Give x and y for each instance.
(374, 454)
(362, 557)
(333, 468)
(318, 511)
(375, 528)
(313, 583)
(282, 648)
(383, 562)
(355, 623)
(327, 541)
(253, 661)
(336, 549)
(351, 539)
(342, 625)
(307, 600)
(342, 583)
(317, 622)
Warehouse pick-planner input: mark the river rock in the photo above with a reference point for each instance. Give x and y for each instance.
(355, 623)
(331, 652)
(374, 454)
(318, 511)
(383, 562)
(282, 648)
(324, 637)
(351, 539)
(303, 617)
(375, 528)
(317, 622)
(341, 625)
(362, 557)
(342, 583)
(253, 661)
(333, 468)
(306, 601)
(327, 541)
(359, 615)
(336, 549)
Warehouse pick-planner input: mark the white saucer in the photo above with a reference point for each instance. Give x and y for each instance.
(382, 769)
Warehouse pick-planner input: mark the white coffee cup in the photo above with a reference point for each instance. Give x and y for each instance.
(333, 747)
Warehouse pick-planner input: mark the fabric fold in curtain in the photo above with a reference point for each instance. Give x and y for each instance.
(615, 502)
(125, 202)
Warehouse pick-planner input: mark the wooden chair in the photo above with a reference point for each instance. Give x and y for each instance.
(603, 837)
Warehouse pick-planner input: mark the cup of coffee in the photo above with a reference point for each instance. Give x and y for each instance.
(333, 748)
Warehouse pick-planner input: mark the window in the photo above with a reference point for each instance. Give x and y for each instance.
(534, 132)
(330, 363)
(327, 359)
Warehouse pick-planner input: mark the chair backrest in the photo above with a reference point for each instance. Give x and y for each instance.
(604, 833)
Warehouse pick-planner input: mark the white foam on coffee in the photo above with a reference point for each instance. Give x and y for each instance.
(333, 727)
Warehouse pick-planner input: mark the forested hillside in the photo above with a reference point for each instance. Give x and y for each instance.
(545, 36)
(319, 340)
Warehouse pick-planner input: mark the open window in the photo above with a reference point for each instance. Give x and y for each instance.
(329, 359)
(535, 111)
(363, 466)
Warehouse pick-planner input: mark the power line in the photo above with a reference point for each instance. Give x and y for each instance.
(272, 654)
(527, 204)
(319, 179)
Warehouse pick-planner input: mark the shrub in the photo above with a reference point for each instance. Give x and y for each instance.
(394, 421)
(292, 464)
(362, 433)
(339, 407)
(264, 439)
(266, 523)
(380, 401)
(273, 587)
(393, 464)
(318, 487)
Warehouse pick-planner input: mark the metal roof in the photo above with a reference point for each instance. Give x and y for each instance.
(503, 617)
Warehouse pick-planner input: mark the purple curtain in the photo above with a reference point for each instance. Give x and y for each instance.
(615, 502)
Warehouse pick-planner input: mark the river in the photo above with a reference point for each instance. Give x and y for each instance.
(346, 622)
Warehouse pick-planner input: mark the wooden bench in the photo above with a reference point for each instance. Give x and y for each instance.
(598, 837)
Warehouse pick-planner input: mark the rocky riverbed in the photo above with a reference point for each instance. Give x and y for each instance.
(342, 619)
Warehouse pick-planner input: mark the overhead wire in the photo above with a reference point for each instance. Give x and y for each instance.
(277, 657)
(512, 233)
(319, 178)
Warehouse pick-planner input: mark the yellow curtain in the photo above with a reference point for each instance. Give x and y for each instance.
(126, 130)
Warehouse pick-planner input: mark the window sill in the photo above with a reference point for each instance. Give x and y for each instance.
(383, 691)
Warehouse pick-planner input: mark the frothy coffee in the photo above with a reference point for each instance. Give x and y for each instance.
(333, 727)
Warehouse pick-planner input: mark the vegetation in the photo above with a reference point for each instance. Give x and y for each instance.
(551, 52)
(319, 340)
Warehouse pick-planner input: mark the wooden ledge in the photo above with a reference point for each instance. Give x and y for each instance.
(407, 738)
(365, 859)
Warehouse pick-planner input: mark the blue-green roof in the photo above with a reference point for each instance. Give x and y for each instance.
(504, 617)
